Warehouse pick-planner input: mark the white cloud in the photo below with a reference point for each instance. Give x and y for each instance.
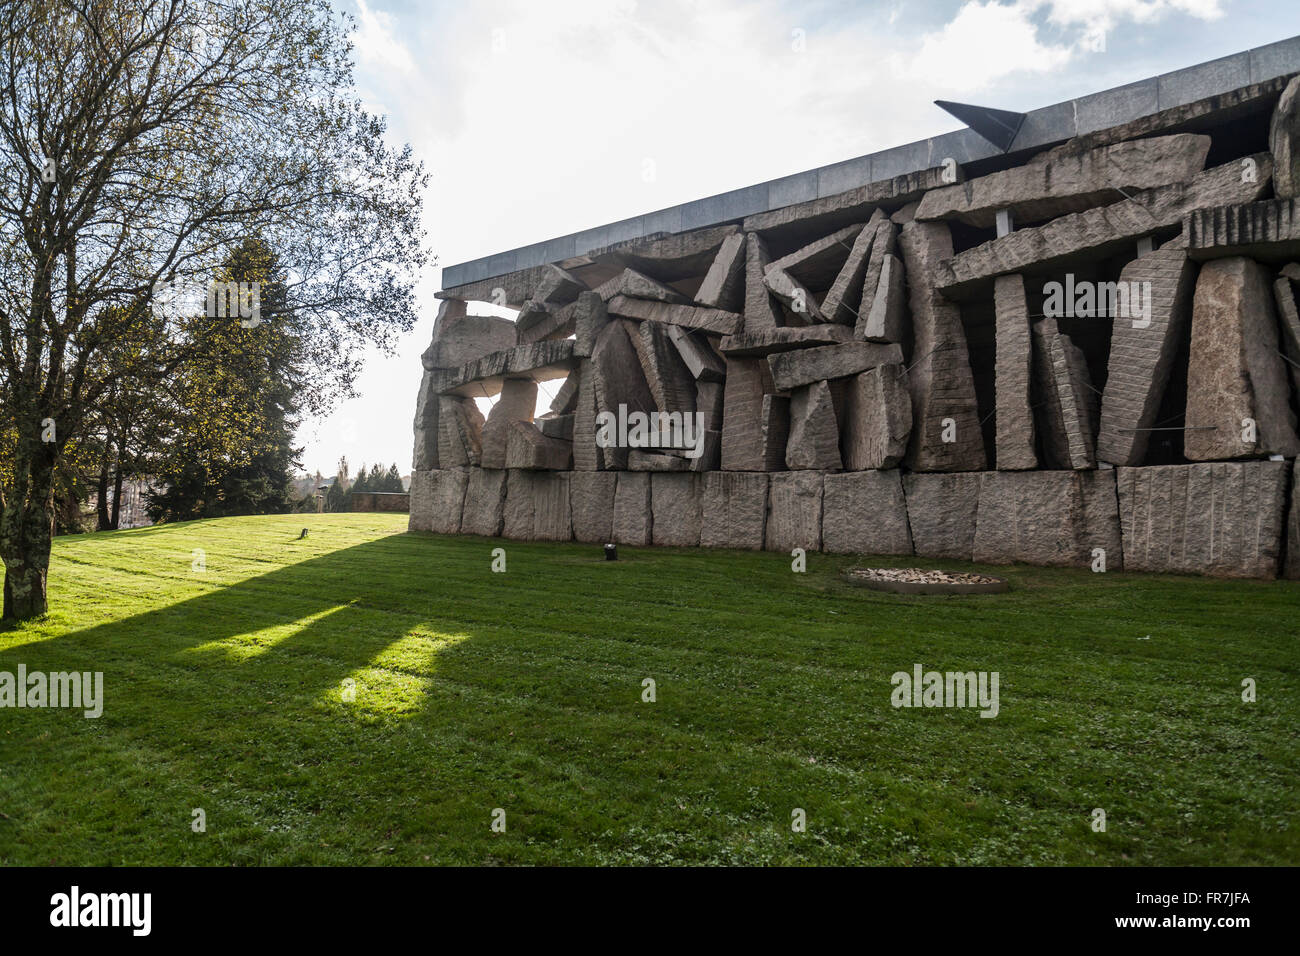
(376, 45)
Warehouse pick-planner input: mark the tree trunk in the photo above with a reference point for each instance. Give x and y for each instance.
(117, 496)
(26, 527)
(101, 506)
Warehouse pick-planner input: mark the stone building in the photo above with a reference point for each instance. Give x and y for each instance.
(1078, 344)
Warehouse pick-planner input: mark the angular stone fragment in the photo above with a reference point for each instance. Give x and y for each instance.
(877, 419)
(844, 300)
(1053, 518)
(679, 256)
(459, 338)
(865, 513)
(675, 505)
(566, 399)
(520, 509)
(760, 311)
(941, 513)
(1063, 391)
(437, 499)
(632, 516)
(751, 344)
(1284, 141)
(792, 370)
(552, 518)
(774, 431)
(542, 322)
(484, 377)
(460, 432)
(1061, 181)
(1222, 519)
(556, 426)
(556, 286)
(940, 379)
(1012, 376)
(1284, 295)
(818, 264)
(587, 455)
(688, 316)
(734, 510)
(796, 296)
(1102, 230)
(742, 425)
(1270, 227)
(527, 447)
(724, 284)
(589, 317)
(1142, 353)
(1236, 372)
(517, 403)
(672, 386)
(709, 402)
(886, 316)
(633, 284)
(814, 438)
(485, 498)
(794, 511)
(427, 402)
(638, 460)
(591, 497)
(619, 381)
(884, 244)
(697, 353)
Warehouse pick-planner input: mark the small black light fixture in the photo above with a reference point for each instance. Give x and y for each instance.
(611, 552)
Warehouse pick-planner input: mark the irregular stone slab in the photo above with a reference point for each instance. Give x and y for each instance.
(724, 284)
(884, 244)
(672, 386)
(1142, 355)
(1266, 229)
(459, 338)
(542, 321)
(517, 403)
(566, 399)
(886, 316)
(794, 294)
(527, 447)
(556, 426)
(843, 301)
(688, 316)
(437, 499)
(587, 455)
(1051, 518)
(1236, 371)
(425, 454)
(556, 286)
(460, 432)
(865, 513)
(734, 510)
(1063, 391)
(770, 341)
(818, 263)
(1284, 141)
(520, 509)
(589, 317)
(633, 284)
(814, 438)
(632, 515)
(697, 353)
(1284, 295)
(877, 419)
(791, 370)
(483, 378)
(510, 289)
(1100, 231)
(940, 379)
(709, 402)
(675, 504)
(761, 311)
(1012, 379)
(485, 500)
(680, 256)
(591, 497)
(774, 427)
(552, 518)
(1293, 527)
(1222, 519)
(1061, 181)
(742, 418)
(619, 380)
(638, 460)
(941, 512)
(794, 511)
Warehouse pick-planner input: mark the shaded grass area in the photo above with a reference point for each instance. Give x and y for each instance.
(225, 690)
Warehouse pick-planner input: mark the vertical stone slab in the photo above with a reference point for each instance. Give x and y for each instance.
(724, 284)
(887, 311)
(775, 431)
(675, 509)
(1236, 371)
(1284, 294)
(1062, 395)
(672, 386)
(591, 497)
(517, 403)
(877, 419)
(940, 379)
(941, 512)
(619, 380)
(844, 300)
(883, 244)
(460, 432)
(742, 416)
(421, 502)
(1049, 518)
(760, 311)
(814, 438)
(1014, 414)
(437, 500)
(425, 453)
(794, 511)
(552, 518)
(520, 509)
(485, 500)
(1223, 518)
(865, 512)
(589, 317)
(734, 510)
(1142, 353)
(632, 515)
(586, 453)
(1284, 142)
(709, 402)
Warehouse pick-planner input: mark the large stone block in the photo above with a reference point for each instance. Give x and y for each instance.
(632, 515)
(818, 263)
(865, 512)
(877, 419)
(800, 303)
(552, 517)
(724, 284)
(1222, 519)
(1048, 518)
(672, 386)
(687, 316)
(460, 432)
(634, 285)
(751, 344)
(1012, 376)
(459, 338)
(484, 377)
(844, 299)
(675, 508)
(438, 499)
(760, 311)
(700, 358)
(517, 403)
(1267, 229)
(591, 497)
(1064, 397)
(1236, 371)
(485, 499)
(752, 436)
(1284, 295)
(941, 513)
(884, 244)
(589, 317)
(814, 438)
(520, 509)
(1284, 141)
(680, 256)
(1142, 353)
(794, 511)
(425, 453)
(527, 447)
(421, 501)
(791, 370)
(886, 313)
(734, 510)
(619, 381)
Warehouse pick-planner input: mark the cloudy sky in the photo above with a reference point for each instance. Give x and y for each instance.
(537, 119)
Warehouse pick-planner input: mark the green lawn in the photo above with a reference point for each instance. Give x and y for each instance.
(523, 691)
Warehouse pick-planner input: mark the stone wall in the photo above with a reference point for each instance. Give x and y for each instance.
(1088, 355)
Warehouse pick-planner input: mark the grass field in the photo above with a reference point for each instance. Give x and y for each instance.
(523, 691)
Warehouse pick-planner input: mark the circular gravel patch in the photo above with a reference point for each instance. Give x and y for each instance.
(923, 581)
